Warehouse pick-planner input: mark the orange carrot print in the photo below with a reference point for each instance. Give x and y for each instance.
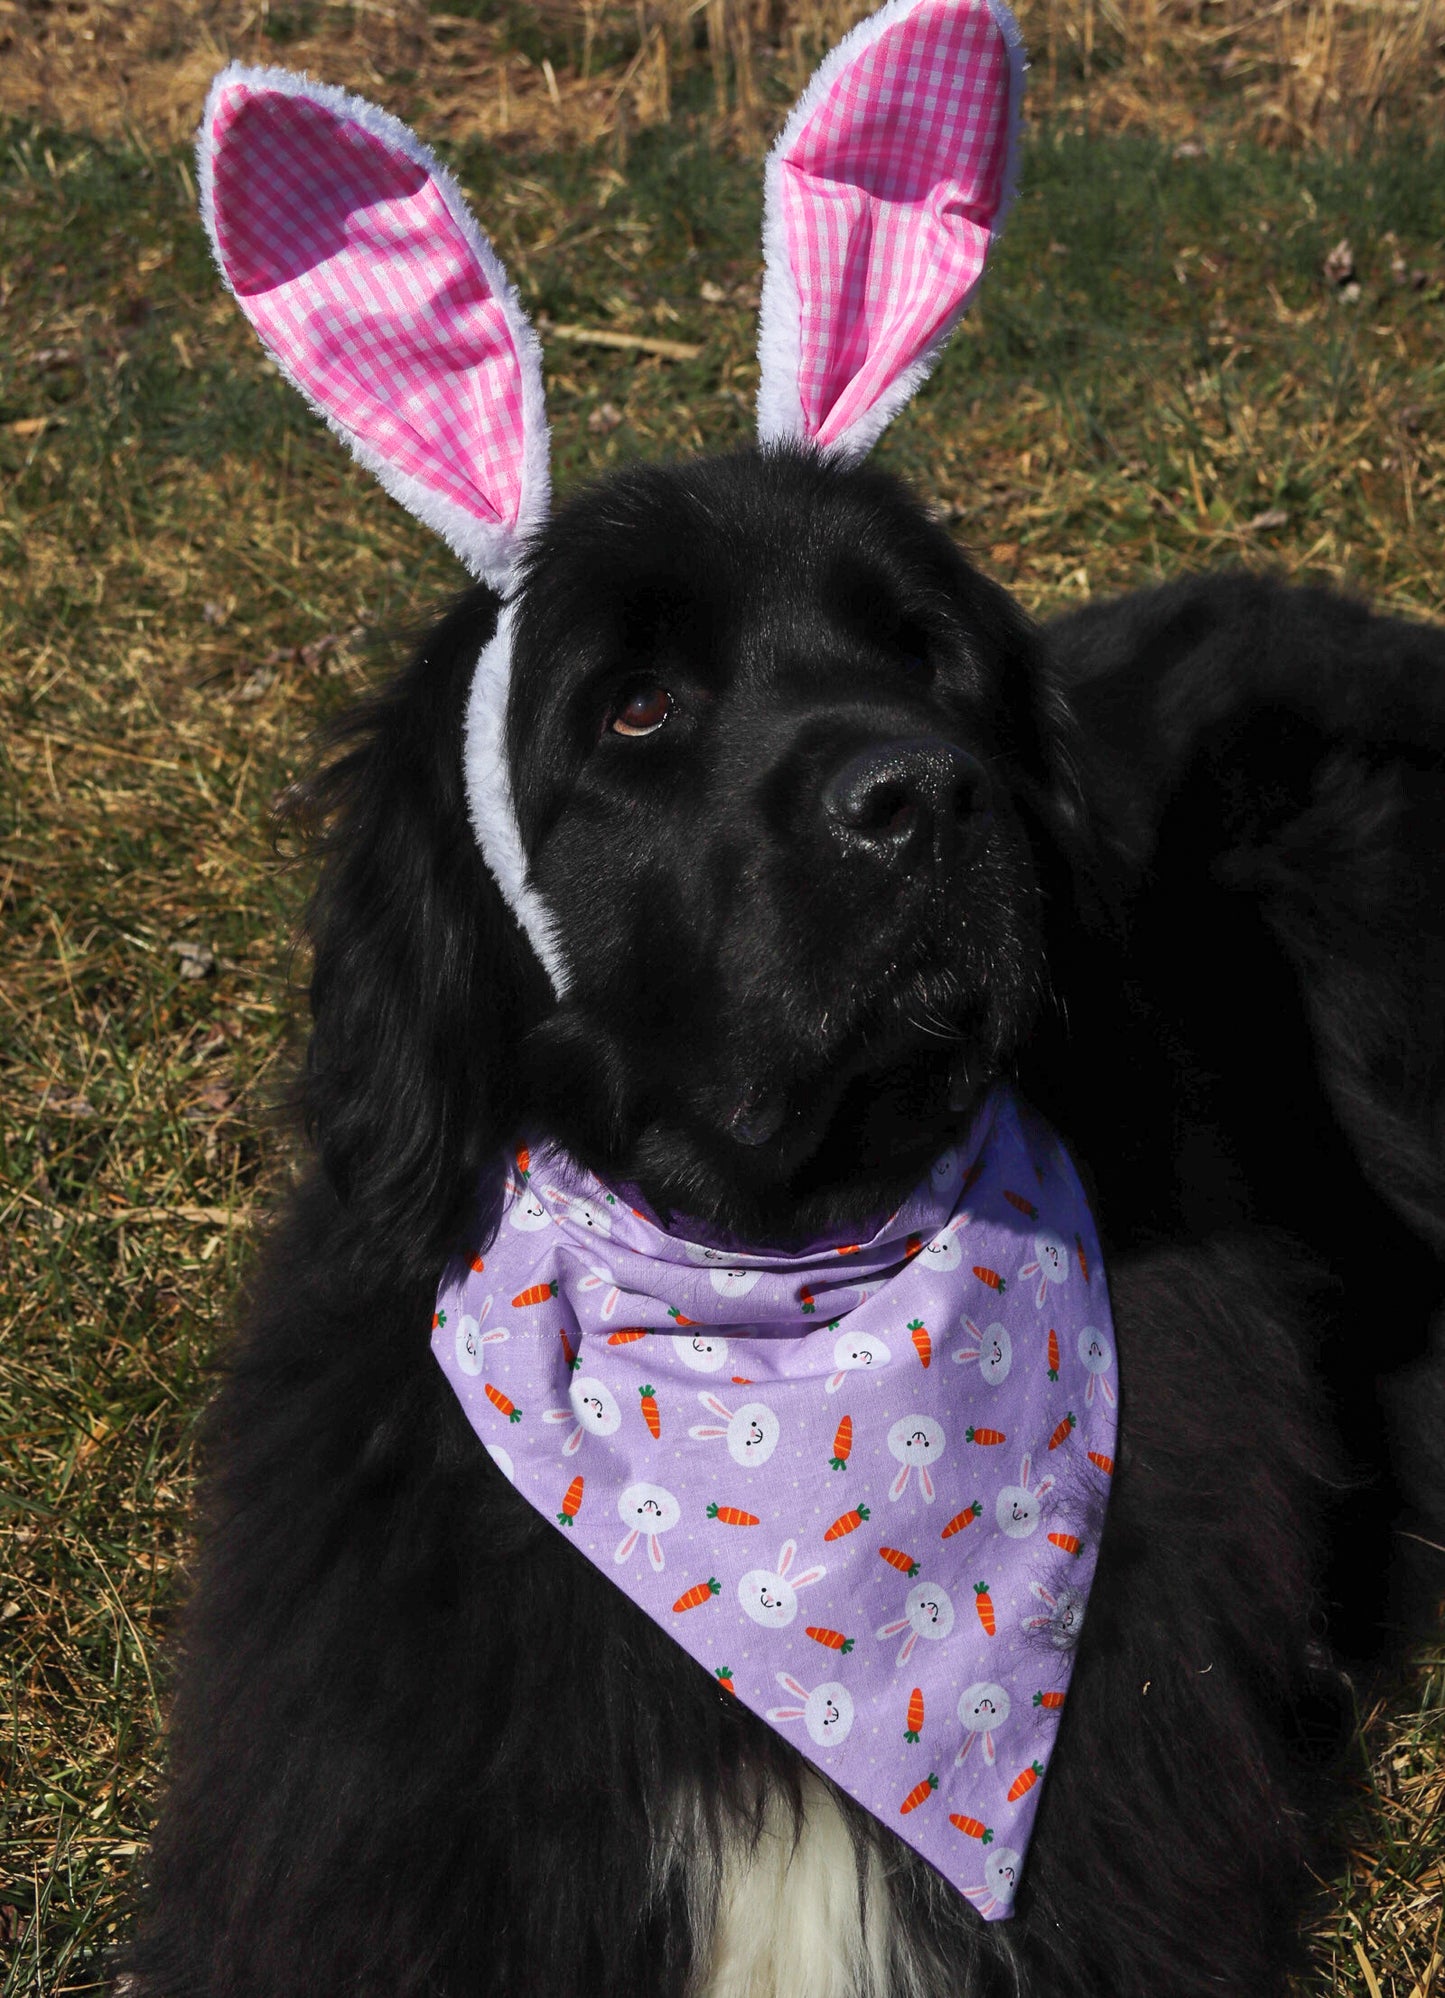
(842, 1444)
(922, 1344)
(850, 1249)
(535, 1293)
(919, 1794)
(834, 1639)
(971, 1827)
(650, 1413)
(524, 1161)
(971, 1178)
(502, 1403)
(438, 1320)
(569, 1351)
(700, 1592)
(960, 1520)
(1024, 1782)
(986, 1436)
(1083, 1259)
(1051, 1701)
(1053, 1354)
(677, 1317)
(991, 1278)
(477, 1265)
(914, 1728)
(730, 1515)
(1061, 1434)
(627, 1335)
(847, 1522)
(572, 1502)
(983, 1603)
(896, 1558)
(724, 1676)
(741, 1380)
(1070, 1542)
(1105, 1464)
(1024, 1206)
(912, 1247)
(808, 1300)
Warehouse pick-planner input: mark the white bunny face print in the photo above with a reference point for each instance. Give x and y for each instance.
(991, 1349)
(826, 1712)
(733, 1283)
(854, 1350)
(1018, 1507)
(593, 1412)
(595, 1406)
(1063, 1616)
(471, 1340)
(982, 1710)
(702, 1352)
(1050, 1265)
(1000, 1880)
(593, 1215)
(917, 1442)
(750, 1432)
(1098, 1356)
(945, 1252)
(528, 1214)
(927, 1614)
(946, 1171)
(647, 1511)
(770, 1595)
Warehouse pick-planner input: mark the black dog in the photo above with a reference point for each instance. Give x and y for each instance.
(834, 840)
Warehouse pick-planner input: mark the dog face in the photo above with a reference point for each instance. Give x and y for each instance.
(780, 768)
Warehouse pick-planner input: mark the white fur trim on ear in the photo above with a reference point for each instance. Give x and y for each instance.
(780, 338)
(489, 797)
(490, 550)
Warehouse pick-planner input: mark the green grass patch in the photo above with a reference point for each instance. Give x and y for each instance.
(1157, 377)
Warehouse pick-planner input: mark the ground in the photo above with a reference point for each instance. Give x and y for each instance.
(1213, 334)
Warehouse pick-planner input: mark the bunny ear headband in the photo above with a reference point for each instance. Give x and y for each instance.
(352, 253)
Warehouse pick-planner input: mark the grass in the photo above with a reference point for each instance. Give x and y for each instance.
(1158, 377)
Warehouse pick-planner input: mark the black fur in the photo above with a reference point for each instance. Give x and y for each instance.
(1202, 924)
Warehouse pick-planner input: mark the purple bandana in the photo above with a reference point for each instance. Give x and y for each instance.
(861, 1483)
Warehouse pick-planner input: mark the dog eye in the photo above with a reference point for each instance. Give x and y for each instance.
(641, 711)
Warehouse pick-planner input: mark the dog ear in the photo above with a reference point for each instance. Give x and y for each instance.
(353, 255)
(881, 197)
(422, 984)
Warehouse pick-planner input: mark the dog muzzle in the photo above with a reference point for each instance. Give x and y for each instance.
(861, 1483)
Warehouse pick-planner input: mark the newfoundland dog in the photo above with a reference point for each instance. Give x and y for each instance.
(828, 843)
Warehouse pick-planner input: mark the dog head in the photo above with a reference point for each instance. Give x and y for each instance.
(786, 785)
(766, 790)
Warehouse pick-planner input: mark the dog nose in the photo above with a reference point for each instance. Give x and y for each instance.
(909, 800)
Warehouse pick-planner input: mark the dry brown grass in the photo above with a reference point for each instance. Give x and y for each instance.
(1286, 72)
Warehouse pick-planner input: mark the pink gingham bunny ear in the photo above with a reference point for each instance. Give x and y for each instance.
(882, 195)
(352, 253)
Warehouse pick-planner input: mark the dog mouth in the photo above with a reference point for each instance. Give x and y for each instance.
(923, 1020)
(835, 1127)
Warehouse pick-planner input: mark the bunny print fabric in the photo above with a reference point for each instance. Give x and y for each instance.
(862, 1483)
